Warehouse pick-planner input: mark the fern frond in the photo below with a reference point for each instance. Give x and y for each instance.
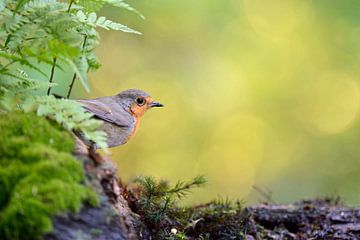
(122, 4)
(19, 5)
(70, 114)
(108, 24)
(39, 31)
(12, 58)
(2, 6)
(92, 20)
(15, 87)
(80, 67)
(92, 61)
(96, 5)
(91, 5)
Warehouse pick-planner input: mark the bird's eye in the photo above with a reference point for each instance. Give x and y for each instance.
(140, 101)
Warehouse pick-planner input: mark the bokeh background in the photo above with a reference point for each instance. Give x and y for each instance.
(257, 93)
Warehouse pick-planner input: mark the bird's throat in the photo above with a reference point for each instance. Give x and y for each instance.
(136, 126)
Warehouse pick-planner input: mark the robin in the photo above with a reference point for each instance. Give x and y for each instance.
(120, 113)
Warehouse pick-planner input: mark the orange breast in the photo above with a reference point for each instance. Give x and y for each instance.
(137, 124)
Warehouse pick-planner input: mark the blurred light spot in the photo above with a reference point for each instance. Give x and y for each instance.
(233, 153)
(331, 104)
(278, 19)
(284, 149)
(223, 96)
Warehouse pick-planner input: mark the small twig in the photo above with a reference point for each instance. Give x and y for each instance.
(74, 76)
(8, 64)
(52, 75)
(266, 194)
(54, 61)
(167, 201)
(69, 8)
(31, 38)
(71, 85)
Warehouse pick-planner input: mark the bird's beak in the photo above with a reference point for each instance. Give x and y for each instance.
(156, 104)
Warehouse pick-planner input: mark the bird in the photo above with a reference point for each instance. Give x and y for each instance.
(121, 115)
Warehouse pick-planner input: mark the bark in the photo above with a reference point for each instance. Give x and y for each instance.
(112, 219)
(316, 219)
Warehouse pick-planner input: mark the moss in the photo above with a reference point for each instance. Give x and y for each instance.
(39, 178)
(156, 203)
(222, 219)
(95, 232)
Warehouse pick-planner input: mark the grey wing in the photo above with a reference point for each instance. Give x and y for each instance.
(99, 107)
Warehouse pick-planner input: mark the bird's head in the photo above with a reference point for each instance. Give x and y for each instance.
(137, 102)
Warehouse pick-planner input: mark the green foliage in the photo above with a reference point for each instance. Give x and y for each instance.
(60, 35)
(157, 205)
(96, 5)
(93, 21)
(37, 173)
(159, 198)
(222, 219)
(70, 114)
(172, 235)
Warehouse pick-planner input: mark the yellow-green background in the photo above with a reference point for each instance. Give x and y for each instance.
(257, 92)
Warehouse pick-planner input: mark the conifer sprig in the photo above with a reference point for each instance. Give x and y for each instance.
(159, 198)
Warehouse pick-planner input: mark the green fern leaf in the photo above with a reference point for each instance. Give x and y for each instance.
(39, 31)
(80, 67)
(91, 5)
(122, 4)
(69, 114)
(2, 6)
(96, 5)
(92, 20)
(19, 5)
(108, 24)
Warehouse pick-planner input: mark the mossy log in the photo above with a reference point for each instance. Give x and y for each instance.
(49, 186)
(39, 176)
(111, 220)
